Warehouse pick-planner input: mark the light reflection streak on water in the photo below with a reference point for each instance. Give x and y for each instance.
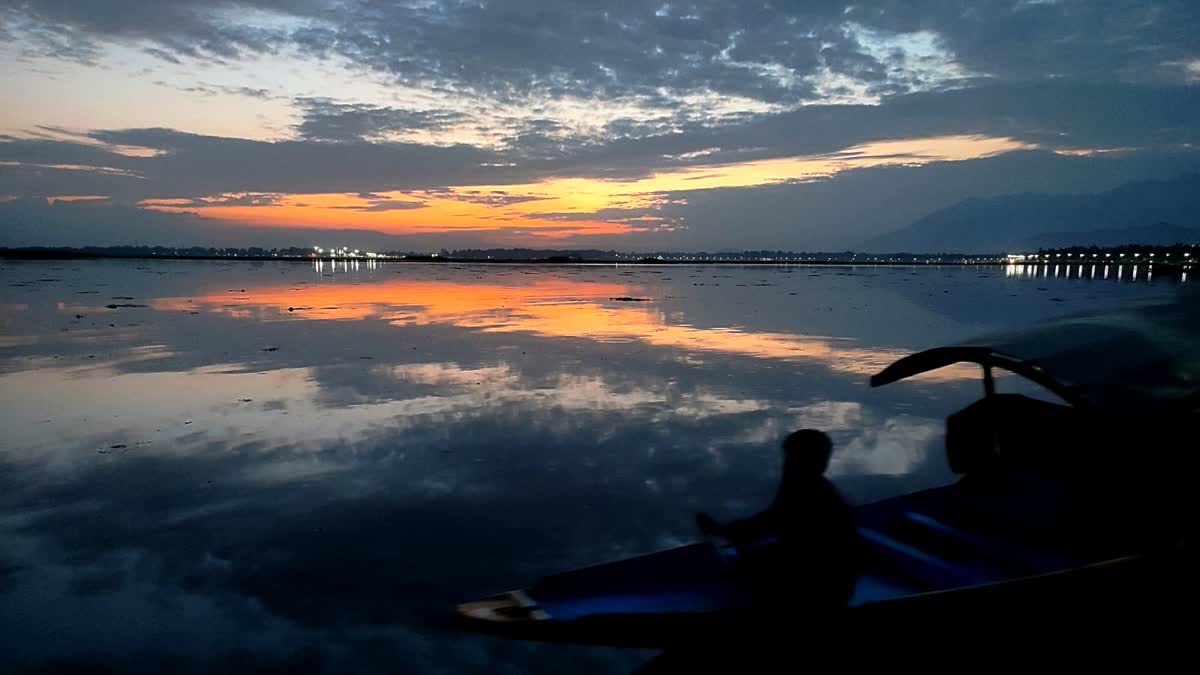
(547, 308)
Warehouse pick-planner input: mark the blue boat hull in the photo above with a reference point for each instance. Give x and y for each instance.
(939, 553)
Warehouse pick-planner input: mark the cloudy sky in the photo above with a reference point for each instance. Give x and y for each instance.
(576, 123)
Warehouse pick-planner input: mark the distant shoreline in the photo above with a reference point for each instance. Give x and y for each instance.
(54, 254)
(511, 261)
(909, 260)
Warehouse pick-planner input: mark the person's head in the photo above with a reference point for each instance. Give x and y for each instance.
(807, 452)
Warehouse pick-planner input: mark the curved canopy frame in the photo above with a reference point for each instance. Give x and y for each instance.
(940, 357)
(1135, 361)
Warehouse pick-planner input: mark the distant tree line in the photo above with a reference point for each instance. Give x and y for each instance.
(1172, 250)
(501, 255)
(596, 255)
(163, 251)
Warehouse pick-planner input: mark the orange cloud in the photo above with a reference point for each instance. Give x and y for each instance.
(574, 200)
(436, 213)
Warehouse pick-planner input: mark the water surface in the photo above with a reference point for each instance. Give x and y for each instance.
(228, 466)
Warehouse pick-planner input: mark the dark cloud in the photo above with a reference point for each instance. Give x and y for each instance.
(386, 205)
(1054, 114)
(1092, 41)
(325, 120)
(768, 51)
(174, 28)
(163, 54)
(538, 146)
(190, 165)
(491, 197)
(642, 218)
(231, 200)
(46, 39)
(206, 89)
(1058, 115)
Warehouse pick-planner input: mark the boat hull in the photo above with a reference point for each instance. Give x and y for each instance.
(939, 554)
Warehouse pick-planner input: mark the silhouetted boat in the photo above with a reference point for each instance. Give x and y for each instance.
(1067, 514)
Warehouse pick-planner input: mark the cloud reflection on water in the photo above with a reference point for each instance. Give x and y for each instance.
(215, 483)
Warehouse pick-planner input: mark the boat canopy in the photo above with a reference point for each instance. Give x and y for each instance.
(1139, 360)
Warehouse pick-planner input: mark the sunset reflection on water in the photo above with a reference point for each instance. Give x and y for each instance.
(291, 461)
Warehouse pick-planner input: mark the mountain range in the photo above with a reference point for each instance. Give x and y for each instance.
(1149, 212)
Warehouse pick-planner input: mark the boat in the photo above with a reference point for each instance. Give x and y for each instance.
(1075, 511)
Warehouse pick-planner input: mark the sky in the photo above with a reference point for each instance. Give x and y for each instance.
(574, 124)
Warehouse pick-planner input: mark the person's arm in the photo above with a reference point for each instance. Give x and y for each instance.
(753, 528)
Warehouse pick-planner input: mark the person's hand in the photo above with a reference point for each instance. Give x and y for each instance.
(707, 524)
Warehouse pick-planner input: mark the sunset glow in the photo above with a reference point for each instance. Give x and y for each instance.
(629, 127)
(561, 208)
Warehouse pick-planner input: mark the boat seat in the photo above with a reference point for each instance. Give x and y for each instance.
(884, 554)
(1010, 557)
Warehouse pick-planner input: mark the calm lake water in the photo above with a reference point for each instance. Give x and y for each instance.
(228, 466)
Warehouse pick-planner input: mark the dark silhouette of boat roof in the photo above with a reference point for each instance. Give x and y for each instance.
(1134, 361)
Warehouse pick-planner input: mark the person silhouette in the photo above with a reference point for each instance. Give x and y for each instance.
(801, 548)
